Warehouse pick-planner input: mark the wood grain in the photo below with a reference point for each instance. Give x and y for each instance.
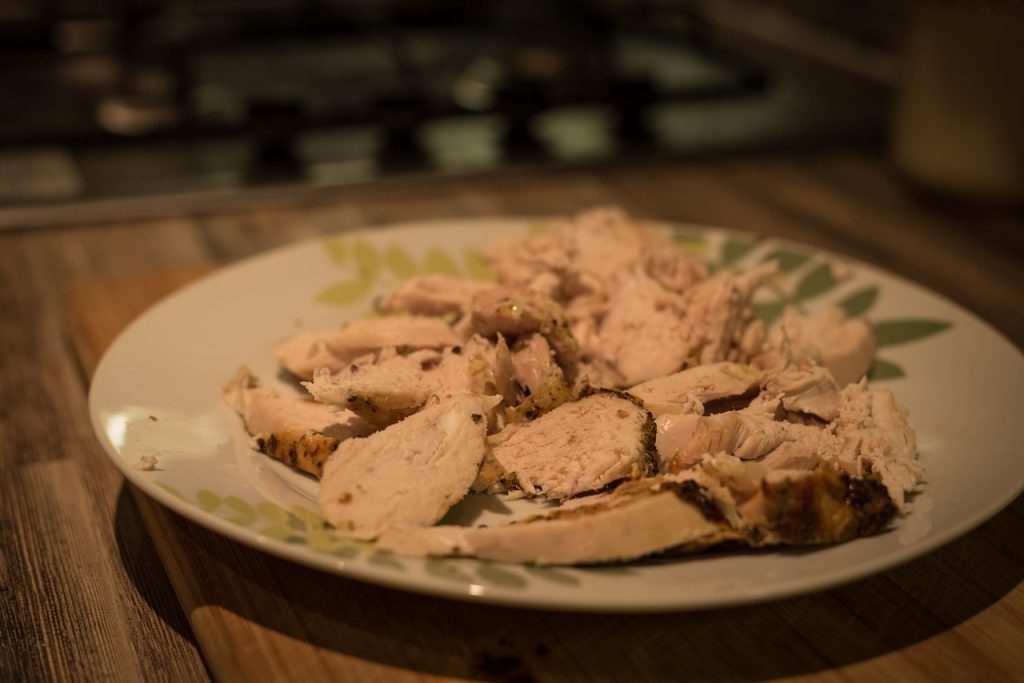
(84, 597)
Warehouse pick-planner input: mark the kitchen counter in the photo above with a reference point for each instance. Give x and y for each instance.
(91, 590)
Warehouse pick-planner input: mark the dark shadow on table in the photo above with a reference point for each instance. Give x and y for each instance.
(142, 564)
(849, 624)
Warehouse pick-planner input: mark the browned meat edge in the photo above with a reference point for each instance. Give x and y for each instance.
(829, 507)
(649, 459)
(305, 451)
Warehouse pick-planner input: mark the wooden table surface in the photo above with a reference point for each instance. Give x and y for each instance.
(97, 584)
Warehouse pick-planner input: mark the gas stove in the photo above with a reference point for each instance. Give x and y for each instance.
(178, 98)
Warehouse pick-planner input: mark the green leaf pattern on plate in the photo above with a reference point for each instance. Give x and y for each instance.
(883, 369)
(769, 311)
(344, 293)
(734, 249)
(371, 264)
(476, 266)
(860, 301)
(171, 490)
(892, 332)
(399, 263)
(496, 574)
(337, 249)
(815, 283)
(537, 228)
(554, 575)
(383, 558)
(244, 513)
(788, 261)
(439, 262)
(446, 569)
(208, 500)
(690, 242)
(303, 526)
(816, 278)
(298, 525)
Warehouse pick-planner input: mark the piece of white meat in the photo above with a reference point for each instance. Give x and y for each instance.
(844, 346)
(621, 526)
(408, 474)
(582, 446)
(388, 387)
(690, 389)
(434, 294)
(305, 352)
(292, 429)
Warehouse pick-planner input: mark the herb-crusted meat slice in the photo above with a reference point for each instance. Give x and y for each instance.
(408, 474)
(388, 387)
(296, 431)
(784, 428)
(541, 379)
(794, 507)
(392, 389)
(582, 446)
(817, 508)
(305, 352)
(873, 433)
(689, 390)
(804, 387)
(727, 501)
(844, 346)
(515, 313)
(662, 515)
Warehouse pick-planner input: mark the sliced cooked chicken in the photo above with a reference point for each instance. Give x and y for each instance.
(385, 392)
(812, 506)
(805, 454)
(646, 331)
(804, 387)
(619, 527)
(675, 431)
(534, 363)
(868, 435)
(386, 389)
(703, 384)
(435, 294)
(590, 253)
(642, 333)
(514, 313)
(335, 349)
(542, 380)
(491, 368)
(604, 267)
(674, 514)
(296, 431)
(874, 433)
(744, 434)
(304, 352)
(844, 346)
(718, 314)
(408, 474)
(578, 447)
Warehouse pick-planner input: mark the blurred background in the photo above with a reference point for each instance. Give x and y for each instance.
(110, 105)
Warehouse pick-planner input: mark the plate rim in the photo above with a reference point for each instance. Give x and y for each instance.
(571, 601)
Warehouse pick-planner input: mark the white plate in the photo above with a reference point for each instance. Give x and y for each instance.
(156, 392)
